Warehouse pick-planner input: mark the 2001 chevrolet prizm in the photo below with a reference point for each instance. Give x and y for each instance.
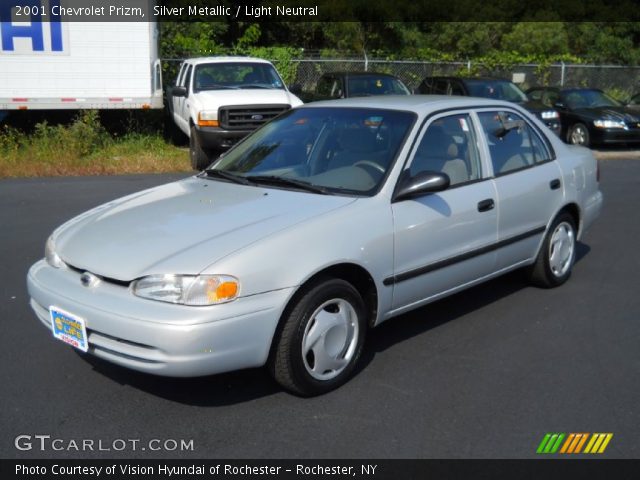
(325, 222)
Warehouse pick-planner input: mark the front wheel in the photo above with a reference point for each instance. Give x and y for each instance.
(557, 255)
(198, 156)
(579, 135)
(320, 339)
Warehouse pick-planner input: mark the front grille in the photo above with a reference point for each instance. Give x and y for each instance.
(248, 117)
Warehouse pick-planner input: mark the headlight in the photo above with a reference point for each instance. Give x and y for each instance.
(550, 115)
(208, 118)
(50, 254)
(605, 123)
(188, 289)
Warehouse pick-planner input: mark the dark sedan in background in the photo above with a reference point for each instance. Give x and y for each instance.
(489, 87)
(591, 117)
(335, 85)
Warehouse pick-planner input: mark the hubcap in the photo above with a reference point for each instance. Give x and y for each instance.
(330, 338)
(561, 249)
(578, 136)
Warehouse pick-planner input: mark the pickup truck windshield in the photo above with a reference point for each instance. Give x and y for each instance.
(235, 75)
(333, 150)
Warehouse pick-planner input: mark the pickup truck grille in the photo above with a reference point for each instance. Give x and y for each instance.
(248, 117)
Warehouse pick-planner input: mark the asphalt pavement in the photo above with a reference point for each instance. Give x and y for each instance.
(483, 374)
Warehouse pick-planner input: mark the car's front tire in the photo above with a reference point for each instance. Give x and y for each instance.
(579, 135)
(558, 253)
(320, 338)
(198, 155)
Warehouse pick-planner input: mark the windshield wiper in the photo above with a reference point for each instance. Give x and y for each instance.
(256, 85)
(290, 182)
(212, 172)
(218, 87)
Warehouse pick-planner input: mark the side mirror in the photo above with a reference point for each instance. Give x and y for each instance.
(560, 105)
(421, 184)
(295, 88)
(179, 91)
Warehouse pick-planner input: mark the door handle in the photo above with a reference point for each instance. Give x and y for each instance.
(555, 184)
(486, 205)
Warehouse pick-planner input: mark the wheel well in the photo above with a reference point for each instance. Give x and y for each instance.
(573, 210)
(357, 276)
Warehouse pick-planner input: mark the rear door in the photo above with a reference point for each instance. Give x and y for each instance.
(527, 180)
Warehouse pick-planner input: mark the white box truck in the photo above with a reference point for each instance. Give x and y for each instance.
(75, 65)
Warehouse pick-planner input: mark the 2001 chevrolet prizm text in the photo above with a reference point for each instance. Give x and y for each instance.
(325, 222)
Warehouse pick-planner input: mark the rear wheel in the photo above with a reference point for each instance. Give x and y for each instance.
(320, 339)
(579, 135)
(198, 155)
(557, 255)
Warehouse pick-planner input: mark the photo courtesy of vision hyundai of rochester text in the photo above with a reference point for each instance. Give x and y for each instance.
(320, 225)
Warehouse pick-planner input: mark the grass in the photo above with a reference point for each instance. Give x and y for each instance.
(84, 147)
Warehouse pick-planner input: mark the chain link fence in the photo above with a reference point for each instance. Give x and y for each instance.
(618, 80)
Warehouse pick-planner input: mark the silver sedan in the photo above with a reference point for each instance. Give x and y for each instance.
(322, 224)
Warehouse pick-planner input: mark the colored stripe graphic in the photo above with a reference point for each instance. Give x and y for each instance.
(573, 443)
(550, 443)
(598, 442)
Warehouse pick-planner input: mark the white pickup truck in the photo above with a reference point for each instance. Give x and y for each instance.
(216, 101)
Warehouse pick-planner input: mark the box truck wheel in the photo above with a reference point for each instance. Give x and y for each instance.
(197, 154)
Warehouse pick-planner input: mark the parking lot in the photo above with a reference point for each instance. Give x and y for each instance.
(483, 374)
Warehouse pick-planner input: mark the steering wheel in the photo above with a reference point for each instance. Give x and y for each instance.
(369, 163)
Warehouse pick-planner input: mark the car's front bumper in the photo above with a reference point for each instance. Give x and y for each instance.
(157, 337)
(615, 135)
(219, 138)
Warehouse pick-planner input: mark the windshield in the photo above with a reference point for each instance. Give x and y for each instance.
(498, 89)
(341, 150)
(589, 99)
(366, 85)
(220, 76)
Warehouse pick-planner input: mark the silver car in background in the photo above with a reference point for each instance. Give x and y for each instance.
(325, 222)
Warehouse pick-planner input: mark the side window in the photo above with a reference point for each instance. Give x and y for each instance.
(183, 69)
(449, 146)
(440, 87)
(535, 95)
(551, 98)
(513, 143)
(330, 86)
(426, 86)
(186, 81)
(456, 88)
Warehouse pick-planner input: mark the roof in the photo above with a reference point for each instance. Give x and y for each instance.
(414, 103)
(467, 79)
(226, 59)
(360, 74)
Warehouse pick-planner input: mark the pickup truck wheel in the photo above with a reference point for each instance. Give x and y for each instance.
(321, 338)
(198, 156)
(555, 259)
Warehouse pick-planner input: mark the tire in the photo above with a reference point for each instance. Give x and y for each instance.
(320, 338)
(198, 155)
(557, 255)
(578, 134)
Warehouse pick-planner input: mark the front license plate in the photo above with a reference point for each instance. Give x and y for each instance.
(69, 328)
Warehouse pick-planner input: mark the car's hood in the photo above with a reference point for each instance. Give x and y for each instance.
(182, 227)
(246, 96)
(624, 114)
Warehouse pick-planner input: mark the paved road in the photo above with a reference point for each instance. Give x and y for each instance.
(483, 374)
